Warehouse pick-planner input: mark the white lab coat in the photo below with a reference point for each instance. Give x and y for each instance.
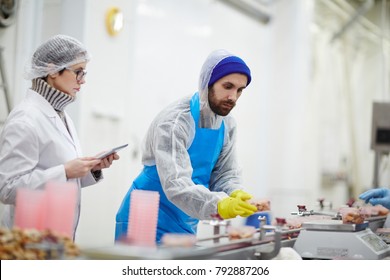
(34, 145)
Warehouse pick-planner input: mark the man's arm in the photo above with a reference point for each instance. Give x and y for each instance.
(171, 141)
(226, 176)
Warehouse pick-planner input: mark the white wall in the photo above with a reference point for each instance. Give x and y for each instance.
(291, 124)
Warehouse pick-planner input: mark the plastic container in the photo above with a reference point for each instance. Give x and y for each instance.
(142, 229)
(52, 208)
(61, 207)
(178, 240)
(30, 209)
(240, 232)
(253, 220)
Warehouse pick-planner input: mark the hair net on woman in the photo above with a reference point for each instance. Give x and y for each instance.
(55, 54)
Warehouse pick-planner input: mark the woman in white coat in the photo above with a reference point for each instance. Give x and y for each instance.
(39, 142)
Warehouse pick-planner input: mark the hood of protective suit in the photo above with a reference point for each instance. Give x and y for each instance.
(209, 119)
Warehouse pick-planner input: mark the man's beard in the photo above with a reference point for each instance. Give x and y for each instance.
(221, 108)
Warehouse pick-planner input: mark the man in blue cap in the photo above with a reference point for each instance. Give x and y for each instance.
(189, 154)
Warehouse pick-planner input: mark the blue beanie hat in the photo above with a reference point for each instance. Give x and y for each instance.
(230, 65)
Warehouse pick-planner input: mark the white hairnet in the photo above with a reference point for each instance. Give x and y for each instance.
(57, 53)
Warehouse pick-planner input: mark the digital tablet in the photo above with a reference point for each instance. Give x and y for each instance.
(113, 150)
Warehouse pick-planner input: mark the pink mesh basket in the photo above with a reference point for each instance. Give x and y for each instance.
(143, 216)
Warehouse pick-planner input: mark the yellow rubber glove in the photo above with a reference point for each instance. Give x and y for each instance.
(241, 195)
(231, 207)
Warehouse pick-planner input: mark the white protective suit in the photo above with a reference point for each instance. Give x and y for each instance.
(34, 145)
(168, 139)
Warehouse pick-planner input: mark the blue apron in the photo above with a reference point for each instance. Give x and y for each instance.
(204, 153)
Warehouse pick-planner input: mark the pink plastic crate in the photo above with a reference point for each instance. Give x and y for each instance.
(61, 206)
(143, 216)
(30, 209)
(52, 208)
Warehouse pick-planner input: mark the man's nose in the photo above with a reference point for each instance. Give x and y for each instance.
(233, 96)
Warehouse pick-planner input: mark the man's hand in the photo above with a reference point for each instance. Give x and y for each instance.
(230, 207)
(241, 195)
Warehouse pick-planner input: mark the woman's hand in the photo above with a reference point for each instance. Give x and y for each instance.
(106, 162)
(80, 167)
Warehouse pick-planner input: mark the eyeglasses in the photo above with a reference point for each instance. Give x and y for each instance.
(80, 73)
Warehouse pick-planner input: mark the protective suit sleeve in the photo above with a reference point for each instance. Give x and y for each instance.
(377, 196)
(226, 176)
(19, 155)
